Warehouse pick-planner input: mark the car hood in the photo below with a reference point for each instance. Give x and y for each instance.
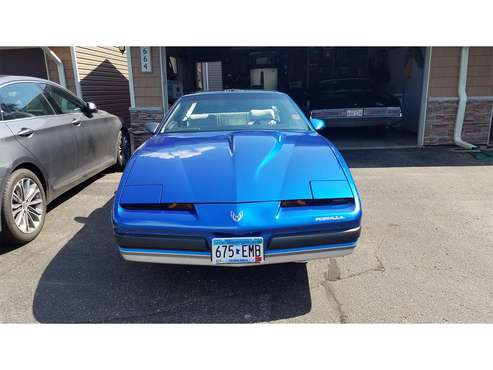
(240, 166)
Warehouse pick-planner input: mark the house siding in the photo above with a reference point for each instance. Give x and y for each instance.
(148, 95)
(103, 74)
(147, 85)
(444, 72)
(66, 57)
(443, 96)
(480, 72)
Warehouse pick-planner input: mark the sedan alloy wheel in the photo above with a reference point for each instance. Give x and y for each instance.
(27, 205)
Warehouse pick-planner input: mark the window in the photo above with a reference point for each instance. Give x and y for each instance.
(62, 100)
(23, 100)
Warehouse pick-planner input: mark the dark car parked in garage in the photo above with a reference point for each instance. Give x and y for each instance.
(352, 102)
(50, 141)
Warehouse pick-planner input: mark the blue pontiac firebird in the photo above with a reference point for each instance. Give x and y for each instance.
(236, 178)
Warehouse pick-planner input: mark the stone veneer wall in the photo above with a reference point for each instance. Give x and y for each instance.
(138, 117)
(440, 121)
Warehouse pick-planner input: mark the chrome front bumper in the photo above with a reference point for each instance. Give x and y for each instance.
(280, 250)
(182, 258)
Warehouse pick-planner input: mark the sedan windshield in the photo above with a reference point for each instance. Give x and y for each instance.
(235, 111)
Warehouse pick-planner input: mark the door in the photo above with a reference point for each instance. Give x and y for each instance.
(23, 62)
(263, 78)
(96, 134)
(101, 132)
(48, 137)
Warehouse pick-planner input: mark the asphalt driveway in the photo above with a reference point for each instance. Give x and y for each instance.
(425, 255)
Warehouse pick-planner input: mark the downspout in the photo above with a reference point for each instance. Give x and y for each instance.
(59, 65)
(461, 108)
(424, 97)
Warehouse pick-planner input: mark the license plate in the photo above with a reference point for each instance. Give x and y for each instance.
(354, 113)
(237, 250)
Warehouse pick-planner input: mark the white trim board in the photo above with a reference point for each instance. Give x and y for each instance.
(46, 65)
(130, 76)
(59, 64)
(164, 78)
(75, 69)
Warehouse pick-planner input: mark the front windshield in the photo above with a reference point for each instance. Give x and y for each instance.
(235, 111)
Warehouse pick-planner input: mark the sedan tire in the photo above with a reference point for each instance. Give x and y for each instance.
(123, 151)
(23, 207)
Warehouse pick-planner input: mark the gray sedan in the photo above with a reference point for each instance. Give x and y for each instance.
(50, 141)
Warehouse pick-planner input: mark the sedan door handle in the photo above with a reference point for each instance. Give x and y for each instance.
(76, 122)
(25, 132)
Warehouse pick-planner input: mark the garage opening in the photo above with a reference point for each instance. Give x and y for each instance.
(23, 62)
(369, 97)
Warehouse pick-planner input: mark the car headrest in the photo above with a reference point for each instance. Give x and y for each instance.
(199, 116)
(262, 114)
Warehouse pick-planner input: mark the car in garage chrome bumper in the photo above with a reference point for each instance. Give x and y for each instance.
(370, 117)
(195, 251)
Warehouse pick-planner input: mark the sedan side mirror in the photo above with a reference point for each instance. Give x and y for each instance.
(151, 127)
(91, 108)
(318, 124)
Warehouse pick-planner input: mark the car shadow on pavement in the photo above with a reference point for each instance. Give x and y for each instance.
(88, 281)
(76, 190)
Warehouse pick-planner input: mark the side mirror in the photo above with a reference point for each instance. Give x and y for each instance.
(151, 127)
(91, 108)
(318, 124)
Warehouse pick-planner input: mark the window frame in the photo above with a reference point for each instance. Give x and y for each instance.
(34, 83)
(54, 103)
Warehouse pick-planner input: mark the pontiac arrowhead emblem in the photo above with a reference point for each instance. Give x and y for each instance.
(236, 217)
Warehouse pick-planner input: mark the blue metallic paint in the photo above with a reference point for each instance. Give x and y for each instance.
(241, 166)
(248, 171)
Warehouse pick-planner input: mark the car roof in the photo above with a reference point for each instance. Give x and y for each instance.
(9, 78)
(235, 92)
